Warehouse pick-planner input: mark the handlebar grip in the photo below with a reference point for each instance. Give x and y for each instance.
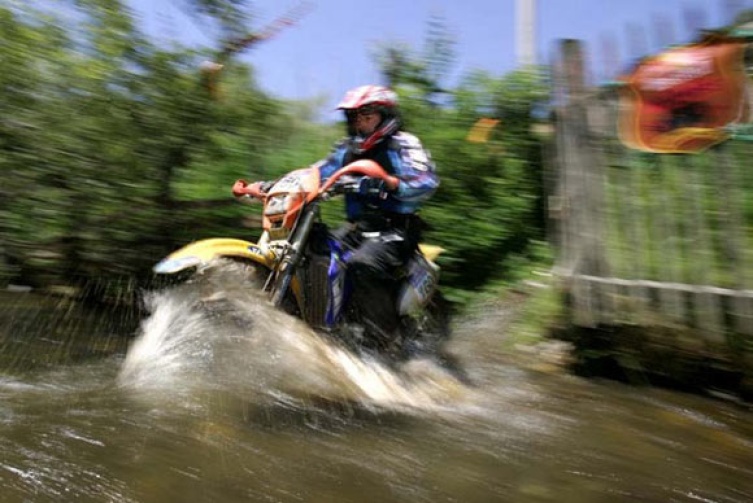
(239, 188)
(242, 188)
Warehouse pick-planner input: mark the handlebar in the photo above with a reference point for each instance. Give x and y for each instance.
(344, 184)
(364, 167)
(344, 178)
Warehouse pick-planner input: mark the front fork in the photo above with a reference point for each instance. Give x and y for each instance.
(294, 255)
(338, 291)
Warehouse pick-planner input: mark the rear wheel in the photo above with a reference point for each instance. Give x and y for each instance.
(435, 320)
(427, 331)
(433, 331)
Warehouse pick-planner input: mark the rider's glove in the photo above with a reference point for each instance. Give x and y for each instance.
(368, 186)
(240, 188)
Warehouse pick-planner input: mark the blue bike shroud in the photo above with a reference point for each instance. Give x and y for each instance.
(338, 284)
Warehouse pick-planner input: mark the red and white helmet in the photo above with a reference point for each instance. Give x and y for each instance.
(381, 99)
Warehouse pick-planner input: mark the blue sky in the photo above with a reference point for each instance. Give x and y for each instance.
(328, 51)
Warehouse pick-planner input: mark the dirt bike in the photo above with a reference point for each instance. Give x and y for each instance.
(303, 268)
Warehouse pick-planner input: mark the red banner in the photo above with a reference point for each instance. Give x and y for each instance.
(680, 100)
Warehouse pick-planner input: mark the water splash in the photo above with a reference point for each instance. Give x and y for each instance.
(230, 339)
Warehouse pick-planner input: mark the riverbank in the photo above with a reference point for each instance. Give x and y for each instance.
(535, 327)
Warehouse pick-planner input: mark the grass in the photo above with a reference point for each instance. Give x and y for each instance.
(529, 297)
(680, 218)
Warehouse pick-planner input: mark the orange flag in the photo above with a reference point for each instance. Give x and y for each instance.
(680, 100)
(481, 130)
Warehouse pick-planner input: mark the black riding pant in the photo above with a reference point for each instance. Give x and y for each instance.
(380, 247)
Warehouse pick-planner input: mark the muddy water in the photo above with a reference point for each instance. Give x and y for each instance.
(220, 399)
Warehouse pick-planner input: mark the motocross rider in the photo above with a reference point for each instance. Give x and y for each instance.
(383, 229)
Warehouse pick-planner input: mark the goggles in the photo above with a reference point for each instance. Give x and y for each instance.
(362, 112)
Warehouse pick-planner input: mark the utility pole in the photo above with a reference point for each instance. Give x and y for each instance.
(525, 31)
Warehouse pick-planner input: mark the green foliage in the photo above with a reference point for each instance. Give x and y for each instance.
(231, 15)
(401, 65)
(113, 152)
(489, 205)
(743, 17)
(680, 218)
(95, 135)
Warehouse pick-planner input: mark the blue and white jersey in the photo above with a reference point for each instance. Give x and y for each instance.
(401, 155)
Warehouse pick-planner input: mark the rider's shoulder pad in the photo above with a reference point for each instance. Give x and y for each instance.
(402, 139)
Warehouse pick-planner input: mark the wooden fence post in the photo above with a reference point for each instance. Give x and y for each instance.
(581, 187)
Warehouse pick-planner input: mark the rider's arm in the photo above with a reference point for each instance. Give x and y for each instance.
(414, 168)
(332, 163)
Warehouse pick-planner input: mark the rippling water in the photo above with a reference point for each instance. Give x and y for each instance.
(221, 399)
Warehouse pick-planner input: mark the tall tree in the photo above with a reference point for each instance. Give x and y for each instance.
(96, 129)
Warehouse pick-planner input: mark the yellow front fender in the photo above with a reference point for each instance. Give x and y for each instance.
(200, 253)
